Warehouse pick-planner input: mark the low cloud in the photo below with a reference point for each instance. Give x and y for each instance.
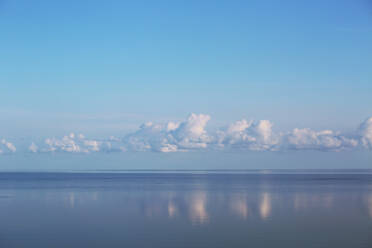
(72, 143)
(243, 135)
(326, 140)
(365, 132)
(33, 148)
(7, 147)
(171, 136)
(191, 134)
(249, 135)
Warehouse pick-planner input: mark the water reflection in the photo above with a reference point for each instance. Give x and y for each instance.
(239, 206)
(198, 208)
(369, 205)
(95, 196)
(154, 206)
(201, 206)
(72, 200)
(303, 201)
(172, 209)
(155, 209)
(265, 205)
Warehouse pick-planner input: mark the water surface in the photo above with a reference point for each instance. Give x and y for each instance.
(188, 209)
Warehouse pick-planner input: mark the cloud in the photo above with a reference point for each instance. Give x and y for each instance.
(365, 132)
(7, 147)
(326, 140)
(191, 134)
(72, 143)
(248, 135)
(171, 136)
(33, 148)
(241, 135)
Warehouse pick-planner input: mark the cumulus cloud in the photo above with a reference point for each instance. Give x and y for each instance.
(72, 143)
(248, 135)
(327, 140)
(241, 135)
(7, 147)
(191, 134)
(171, 136)
(365, 132)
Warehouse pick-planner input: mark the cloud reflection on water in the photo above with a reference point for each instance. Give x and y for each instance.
(172, 209)
(198, 208)
(265, 205)
(181, 207)
(72, 200)
(369, 203)
(305, 201)
(239, 205)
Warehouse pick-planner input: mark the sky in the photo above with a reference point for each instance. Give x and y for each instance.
(173, 76)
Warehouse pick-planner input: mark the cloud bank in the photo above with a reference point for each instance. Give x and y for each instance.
(191, 134)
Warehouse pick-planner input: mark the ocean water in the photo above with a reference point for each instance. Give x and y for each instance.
(187, 209)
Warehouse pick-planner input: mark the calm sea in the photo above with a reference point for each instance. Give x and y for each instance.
(229, 209)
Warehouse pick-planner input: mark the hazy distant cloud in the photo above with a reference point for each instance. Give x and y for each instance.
(33, 148)
(6, 147)
(191, 134)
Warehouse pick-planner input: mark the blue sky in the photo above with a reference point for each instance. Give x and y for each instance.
(164, 59)
(105, 67)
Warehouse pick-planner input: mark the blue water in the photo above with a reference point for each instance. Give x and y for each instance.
(187, 209)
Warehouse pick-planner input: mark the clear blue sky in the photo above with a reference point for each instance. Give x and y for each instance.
(111, 65)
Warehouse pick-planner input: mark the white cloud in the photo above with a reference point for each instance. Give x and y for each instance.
(365, 131)
(191, 134)
(7, 147)
(74, 144)
(33, 148)
(327, 140)
(171, 136)
(248, 135)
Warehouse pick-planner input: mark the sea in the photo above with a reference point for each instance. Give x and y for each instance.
(221, 208)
